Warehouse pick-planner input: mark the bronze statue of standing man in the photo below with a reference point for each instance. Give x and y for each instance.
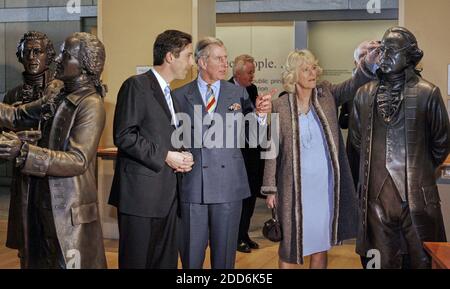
(403, 134)
(36, 53)
(64, 229)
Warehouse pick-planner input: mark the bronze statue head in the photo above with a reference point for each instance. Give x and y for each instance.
(399, 50)
(36, 52)
(82, 58)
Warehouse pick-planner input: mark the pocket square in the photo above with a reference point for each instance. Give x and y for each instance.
(234, 107)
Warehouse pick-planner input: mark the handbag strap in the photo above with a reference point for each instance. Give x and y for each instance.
(274, 213)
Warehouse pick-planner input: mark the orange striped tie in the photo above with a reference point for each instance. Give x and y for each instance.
(211, 100)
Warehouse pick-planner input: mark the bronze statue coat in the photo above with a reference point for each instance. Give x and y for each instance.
(16, 237)
(69, 164)
(282, 174)
(427, 145)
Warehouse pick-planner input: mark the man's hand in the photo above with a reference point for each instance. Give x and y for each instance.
(373, 55)
(271, 201)
(180, 162)
(10, 145)
(264, 103)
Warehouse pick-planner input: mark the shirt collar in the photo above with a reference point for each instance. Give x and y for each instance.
(203, 85)
(162, 83)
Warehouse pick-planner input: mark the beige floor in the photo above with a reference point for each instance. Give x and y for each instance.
(264, 258)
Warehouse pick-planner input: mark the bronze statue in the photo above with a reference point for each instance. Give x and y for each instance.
(36, 53)
(403, 134)
(63, 223)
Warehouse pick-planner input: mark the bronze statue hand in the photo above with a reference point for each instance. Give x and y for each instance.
(10, 145)
(29, 136)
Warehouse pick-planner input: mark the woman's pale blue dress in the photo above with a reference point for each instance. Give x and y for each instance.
(316, 185)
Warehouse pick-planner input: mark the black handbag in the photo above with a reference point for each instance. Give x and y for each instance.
(272, 228)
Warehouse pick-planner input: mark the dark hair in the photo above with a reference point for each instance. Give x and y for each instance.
(415, 54)
(92, 57)
(35, 35)
(173, 41)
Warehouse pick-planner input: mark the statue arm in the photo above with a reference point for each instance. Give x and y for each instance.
(81, 145)
(439, 127)
(21, 117)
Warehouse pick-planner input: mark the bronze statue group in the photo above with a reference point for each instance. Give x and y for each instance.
(175, 202)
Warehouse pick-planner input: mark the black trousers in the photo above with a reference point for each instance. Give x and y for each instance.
(255, 172)
(248, 207)
(149, 243)
(391, 231)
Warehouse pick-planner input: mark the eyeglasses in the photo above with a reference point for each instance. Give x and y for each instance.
(33, 51)
(220, 59)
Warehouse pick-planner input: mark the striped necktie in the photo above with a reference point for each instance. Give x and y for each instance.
(210, 100)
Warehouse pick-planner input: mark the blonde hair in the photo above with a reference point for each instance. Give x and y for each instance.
(296, 59)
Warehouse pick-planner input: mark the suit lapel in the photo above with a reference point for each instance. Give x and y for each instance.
(158, 94)
(176, 105)
(194, 97)
(222, 100)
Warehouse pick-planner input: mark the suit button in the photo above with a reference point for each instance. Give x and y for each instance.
(205, 167)
(223, 166)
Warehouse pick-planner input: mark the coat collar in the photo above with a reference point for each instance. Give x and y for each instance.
(411, 77)
(77, 96)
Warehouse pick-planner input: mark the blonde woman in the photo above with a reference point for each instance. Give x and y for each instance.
(310, 181)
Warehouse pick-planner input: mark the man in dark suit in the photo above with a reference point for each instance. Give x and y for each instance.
(146, 176)
(212, 193)
(243, 74)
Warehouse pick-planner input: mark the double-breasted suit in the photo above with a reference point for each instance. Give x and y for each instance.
(212, 193)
